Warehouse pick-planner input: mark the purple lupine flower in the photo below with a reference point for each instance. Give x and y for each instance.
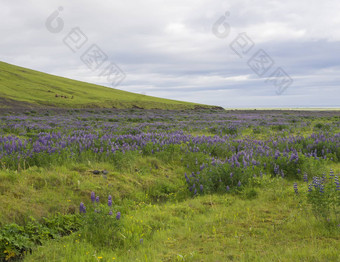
(228, 188)
(310, 188)
(110, 197)
(305, 177)
(110, 213)
(296, 188)
(82, 208)
(118, 215)
(109, 203)
(231, 175)
(201, 188)
(93, 197)
(97, 199)
(336, 181)
(322, 188)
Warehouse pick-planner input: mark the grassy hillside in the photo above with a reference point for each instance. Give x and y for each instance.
(21, 87)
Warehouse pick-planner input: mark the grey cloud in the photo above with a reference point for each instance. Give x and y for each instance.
(167, 48)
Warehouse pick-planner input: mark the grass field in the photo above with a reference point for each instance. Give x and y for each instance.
(189, 185)
(22, 87)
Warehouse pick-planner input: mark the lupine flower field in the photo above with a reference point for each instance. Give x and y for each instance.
(153, 185)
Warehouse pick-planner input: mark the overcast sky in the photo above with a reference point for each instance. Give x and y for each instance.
(205, 51)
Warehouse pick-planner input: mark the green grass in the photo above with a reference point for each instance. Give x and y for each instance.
(273, 226)
(22, 87)
(267, 222)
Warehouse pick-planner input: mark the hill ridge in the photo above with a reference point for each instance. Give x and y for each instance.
(26, 88)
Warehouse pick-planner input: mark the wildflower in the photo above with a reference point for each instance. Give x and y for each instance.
(118, 215)
(97, 199)
(93, 197)
(336, 181)
(82, 208)
(239, 183)
(310, 188)
(110, 213)
(228, 188)
(322, 188)
(295, 188)
(109, 202)
(201, 188)
(305, 177)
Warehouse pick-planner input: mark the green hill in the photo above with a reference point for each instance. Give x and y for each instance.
(24, 88)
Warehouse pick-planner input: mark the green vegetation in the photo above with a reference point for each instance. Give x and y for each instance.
(21, 87)
(281, 204)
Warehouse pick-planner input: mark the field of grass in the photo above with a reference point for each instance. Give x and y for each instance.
(188, 186)
(22, 87)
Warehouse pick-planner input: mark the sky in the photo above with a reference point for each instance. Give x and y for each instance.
(234, 54)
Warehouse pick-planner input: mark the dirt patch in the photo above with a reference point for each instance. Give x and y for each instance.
(9, 103)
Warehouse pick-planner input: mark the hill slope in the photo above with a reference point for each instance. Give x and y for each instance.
(22, 87)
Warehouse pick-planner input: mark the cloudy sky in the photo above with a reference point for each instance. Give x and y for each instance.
(236, 53)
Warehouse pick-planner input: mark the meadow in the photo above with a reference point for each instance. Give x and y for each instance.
(163, 185)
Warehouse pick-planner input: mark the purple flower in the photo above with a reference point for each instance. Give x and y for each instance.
(93, 197)
(109, 203)
(118, 215)
(97, 199)
(296, 188)
(305, 177)
(239, 183)
(201, 188)
(82, 208)
(110, 213)
(228, 188)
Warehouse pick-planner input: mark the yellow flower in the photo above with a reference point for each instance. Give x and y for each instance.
(100, 257)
